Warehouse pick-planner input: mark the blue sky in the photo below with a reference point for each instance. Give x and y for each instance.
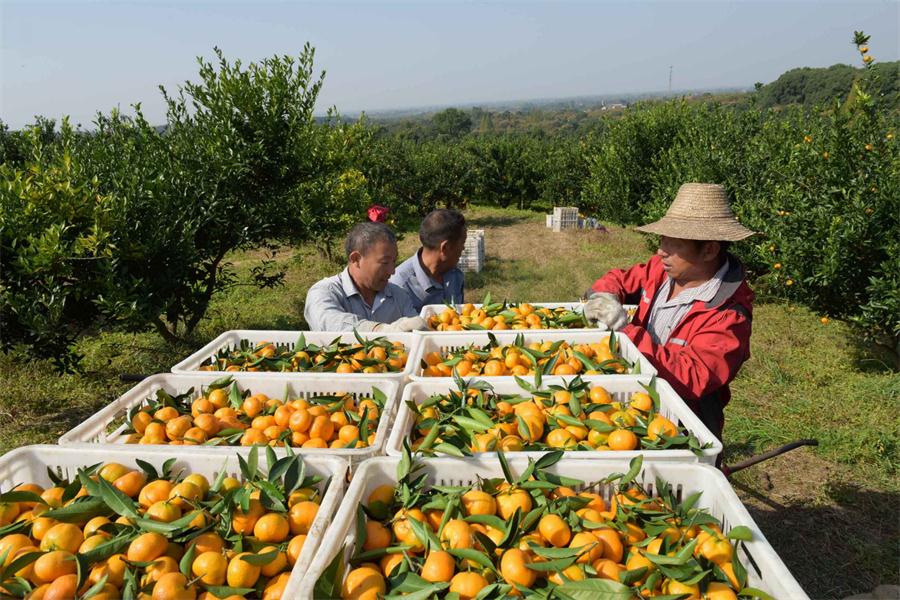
(79, 57)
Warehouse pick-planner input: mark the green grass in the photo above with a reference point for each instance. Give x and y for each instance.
(830, 512)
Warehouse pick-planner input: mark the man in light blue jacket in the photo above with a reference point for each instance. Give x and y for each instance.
(361, 297)
(430, 276)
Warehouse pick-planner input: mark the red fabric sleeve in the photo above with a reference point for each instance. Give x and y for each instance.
(622, 283)
(709, 361)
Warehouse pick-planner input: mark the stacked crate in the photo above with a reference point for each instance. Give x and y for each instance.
(565, 217)
(472, 258)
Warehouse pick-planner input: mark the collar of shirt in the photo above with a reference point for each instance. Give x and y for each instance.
(350, 289)
(422, 277)
(703, 293)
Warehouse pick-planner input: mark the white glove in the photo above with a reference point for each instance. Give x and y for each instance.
(403, 324)
(603, 308)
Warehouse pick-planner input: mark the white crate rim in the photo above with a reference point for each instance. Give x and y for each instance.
(779, 581)
(37, 457)
(434, 340)
(233, 337)
(95, 426)
(669, 400)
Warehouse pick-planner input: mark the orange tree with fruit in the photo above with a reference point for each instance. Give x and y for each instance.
(223, 415)
(573, 416)
(376, 355)
(534, 535)
(120, 532)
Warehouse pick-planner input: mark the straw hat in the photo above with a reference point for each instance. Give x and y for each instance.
(700, 211)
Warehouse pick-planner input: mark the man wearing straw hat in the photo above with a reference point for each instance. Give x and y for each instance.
(695, 308)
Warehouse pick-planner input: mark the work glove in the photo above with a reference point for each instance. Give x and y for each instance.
(403, 324)
(604, 309)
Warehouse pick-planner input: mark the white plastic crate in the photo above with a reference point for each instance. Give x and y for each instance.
(107, 425)
(564, 217)
(671, 406)
(765, 570)
(444, 341)
(436, 309)
(30, 464)
(232, 339)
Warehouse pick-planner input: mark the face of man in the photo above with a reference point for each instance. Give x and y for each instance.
(373, 269)
(687, 260)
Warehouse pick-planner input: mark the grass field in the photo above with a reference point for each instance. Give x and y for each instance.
(830, 512)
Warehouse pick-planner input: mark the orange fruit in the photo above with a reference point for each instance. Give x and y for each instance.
(185, 492)
(571, 573)
(514, 571)
(54, 565)
(476, 502)
(622, 439)
(661, 426)
(158, 568)
(164, 512)
(154, 492)
(588, 544)
(173, 586)
(439, 566)
(62, 536)
(62, 588)
(295, 547)
(511, 499)
(210, 567)
(377, 536)
(272, 528)
(555, 530)
(608, 569)
(274, 566)
(468, 584)
(241, 573)
(301, 517)
(244, 523)
(131, 483)
(363, 583)
(389, 562)
(207, 542)
(146, 547)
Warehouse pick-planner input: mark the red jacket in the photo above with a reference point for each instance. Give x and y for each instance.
(707, 348)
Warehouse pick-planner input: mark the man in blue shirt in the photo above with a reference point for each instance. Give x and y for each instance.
(361, 297)
(430, 276)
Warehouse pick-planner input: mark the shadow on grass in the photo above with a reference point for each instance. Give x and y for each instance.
(843, 544)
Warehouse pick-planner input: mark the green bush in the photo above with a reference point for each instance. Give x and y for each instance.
(58, 249)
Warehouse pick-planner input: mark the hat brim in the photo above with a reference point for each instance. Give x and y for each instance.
(698, 229)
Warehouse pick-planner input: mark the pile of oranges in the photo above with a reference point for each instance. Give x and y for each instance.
(223, 415)
(531, 534)
(502, 316)
(521, 359)
(118, 532)
(377, 355)
(576, 416)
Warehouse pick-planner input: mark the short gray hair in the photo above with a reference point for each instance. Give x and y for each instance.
(365, 235)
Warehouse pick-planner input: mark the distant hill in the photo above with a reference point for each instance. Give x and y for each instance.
(819, 86)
